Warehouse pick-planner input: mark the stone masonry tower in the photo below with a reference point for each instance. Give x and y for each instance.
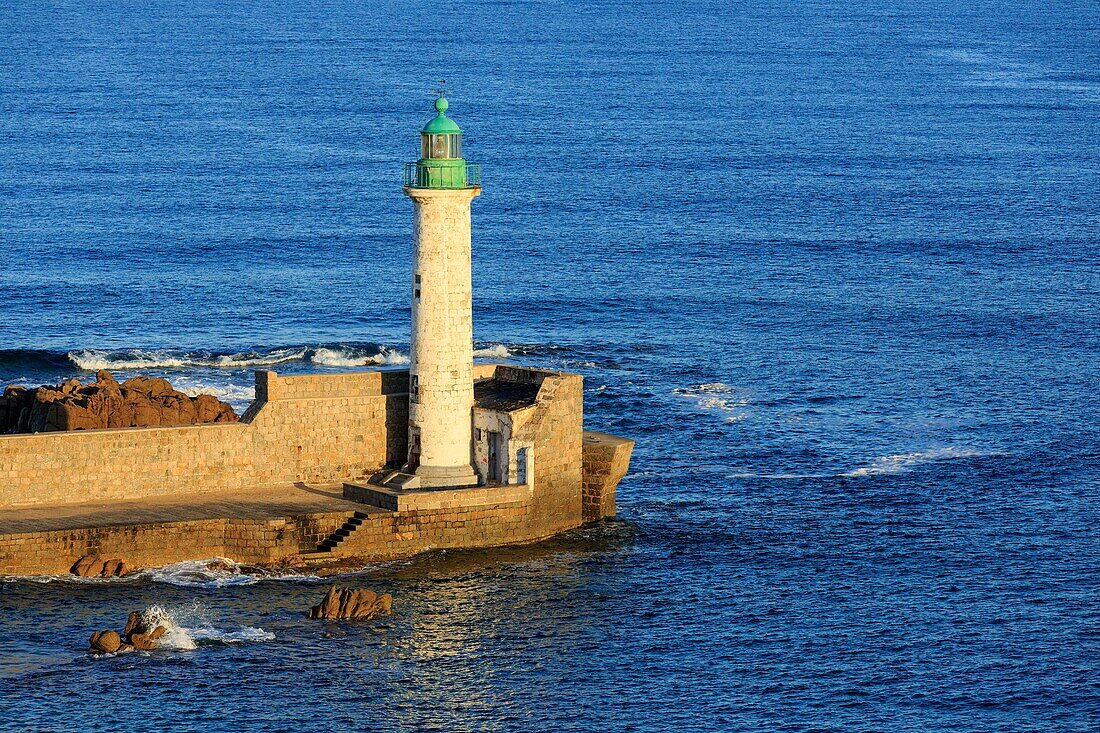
(441, 395)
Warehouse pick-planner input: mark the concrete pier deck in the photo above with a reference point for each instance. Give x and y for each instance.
(258, 504)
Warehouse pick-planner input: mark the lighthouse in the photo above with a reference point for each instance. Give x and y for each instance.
(442, 185)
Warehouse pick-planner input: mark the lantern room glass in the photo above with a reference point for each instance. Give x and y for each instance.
(437, 147)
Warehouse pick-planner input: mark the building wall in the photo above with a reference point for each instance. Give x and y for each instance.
(312, 428)
(554, 432)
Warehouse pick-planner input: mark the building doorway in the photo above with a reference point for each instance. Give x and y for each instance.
(496, 449)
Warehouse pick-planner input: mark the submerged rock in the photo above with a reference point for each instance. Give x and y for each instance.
(352, 604)
(104, 403)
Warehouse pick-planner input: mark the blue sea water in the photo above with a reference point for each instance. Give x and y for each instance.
(833, 265)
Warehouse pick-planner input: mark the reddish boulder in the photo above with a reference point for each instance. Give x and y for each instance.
(104, 642)
(104, 403)
(89, 566)
(352, 604)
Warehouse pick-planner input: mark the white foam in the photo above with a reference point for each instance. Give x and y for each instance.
(901, 462)
(717, 397)
(215, 572)
(96, 359)
(229, 393)
(348, 357)
(496, 351)
(186, 627)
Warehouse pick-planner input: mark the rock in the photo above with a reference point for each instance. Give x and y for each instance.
(136, 635)
(142, 642)
(89, 566)
(110, 568)
(104, 403)
(104, 642)
(132, 624)
(352, 604)
(330, 606)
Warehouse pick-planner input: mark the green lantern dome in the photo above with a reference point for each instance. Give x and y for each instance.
(441, 164)
(441, 124)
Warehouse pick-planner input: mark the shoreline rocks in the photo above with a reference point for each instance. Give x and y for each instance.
(94, 566)
(137, 635)
(352, 604)
(104, 403)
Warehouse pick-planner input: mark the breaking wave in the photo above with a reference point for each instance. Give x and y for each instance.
(883, 465)
(341, 357)
(96, 359)
(216, 572)
(188, 627)
(496, 351)
(125, 359)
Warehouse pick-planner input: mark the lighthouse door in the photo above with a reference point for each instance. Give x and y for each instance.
(495, 449)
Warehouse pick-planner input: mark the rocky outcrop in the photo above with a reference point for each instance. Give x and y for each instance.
(94, 566)
(138, 634)
(104, 403)
(350, 604)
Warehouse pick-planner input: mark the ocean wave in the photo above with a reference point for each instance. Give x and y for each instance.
(495, 351)
(96, 359)
(351, 356)
(901, 462)
(336, 355)
(231, 393)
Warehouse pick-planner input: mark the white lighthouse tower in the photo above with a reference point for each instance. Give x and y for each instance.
(441, 394)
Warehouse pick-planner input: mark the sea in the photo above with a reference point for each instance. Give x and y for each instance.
(834, 266)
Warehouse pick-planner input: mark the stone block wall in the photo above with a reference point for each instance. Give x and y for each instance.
(554, 430)
(260, 541)
(606, 460)
(313, 428)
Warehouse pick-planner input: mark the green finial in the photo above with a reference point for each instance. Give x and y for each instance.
(441, 105)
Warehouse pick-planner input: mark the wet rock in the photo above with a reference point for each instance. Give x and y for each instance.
(104, 642)
(142, 642)
(94, 566)
(351, 603)
(137, 635)
(104, 403)
(89, 566)
(132, 624)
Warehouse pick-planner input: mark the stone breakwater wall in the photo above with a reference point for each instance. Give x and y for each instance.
(315, 429)
(311, 428)
(507, 516)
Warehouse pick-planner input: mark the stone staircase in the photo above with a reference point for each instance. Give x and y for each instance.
(394, 479)
(330, 543)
